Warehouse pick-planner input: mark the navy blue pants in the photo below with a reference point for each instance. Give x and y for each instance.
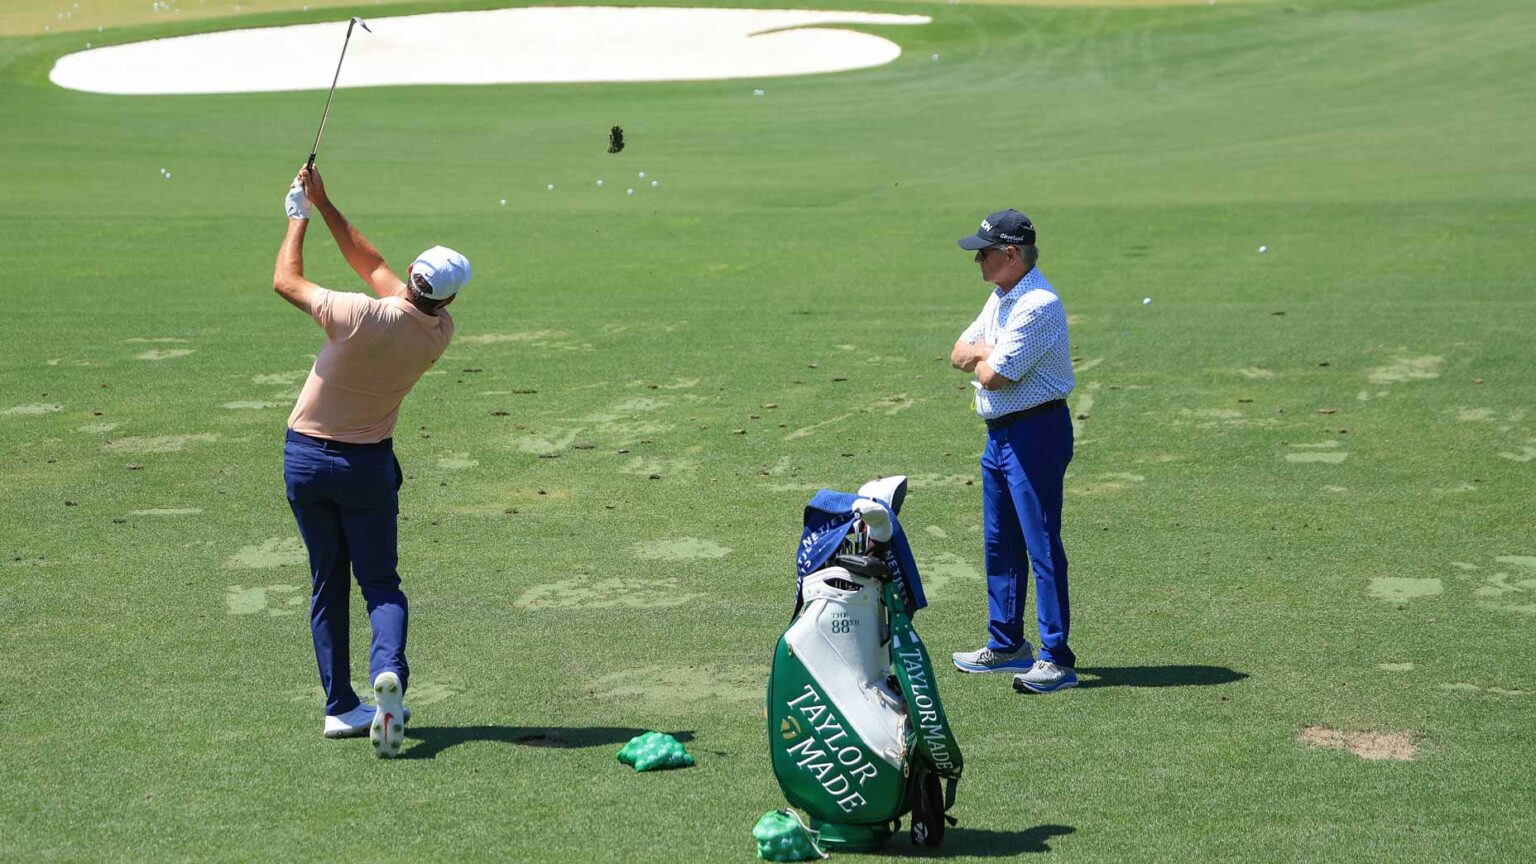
(345, 498)
(1022, 471)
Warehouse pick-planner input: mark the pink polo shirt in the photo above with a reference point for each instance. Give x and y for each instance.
(375, 352)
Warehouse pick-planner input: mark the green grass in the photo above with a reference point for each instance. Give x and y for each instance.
(1223, 593)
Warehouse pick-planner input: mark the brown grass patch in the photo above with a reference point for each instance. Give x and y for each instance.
(1367, 744)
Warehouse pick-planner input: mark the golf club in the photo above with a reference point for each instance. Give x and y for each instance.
(315, 149)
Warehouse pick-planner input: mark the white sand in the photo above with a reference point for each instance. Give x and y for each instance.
(505, 46)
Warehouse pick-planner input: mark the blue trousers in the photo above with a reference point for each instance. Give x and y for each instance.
(1022, 471)
(345, 498)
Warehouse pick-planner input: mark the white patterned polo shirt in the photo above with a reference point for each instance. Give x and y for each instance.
(1027, 329)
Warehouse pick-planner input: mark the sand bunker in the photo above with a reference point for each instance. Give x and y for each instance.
(505, 46)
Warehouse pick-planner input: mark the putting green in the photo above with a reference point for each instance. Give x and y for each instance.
(1277, 459)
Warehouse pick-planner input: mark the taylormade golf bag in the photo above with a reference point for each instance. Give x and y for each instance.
(857, 733)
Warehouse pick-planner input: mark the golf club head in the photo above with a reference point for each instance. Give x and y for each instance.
(357, 20)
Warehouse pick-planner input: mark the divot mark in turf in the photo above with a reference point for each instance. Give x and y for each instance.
(533, 336)
(1113, 481)
(934, 531)
(268, 599)
(1474, 415)
(97, 428)
(1396, 589)
(276, 552)
(1080, 368)
(806, 431)
(278, 379)
(1084, 408)
(589, 592)
(1367, 744)
(156, 354)
(682, 549)
(893, 405)
(1470, 689)
(156, 340)
(253, 406)
(159, 443)
(34, 409)
(1405, 369)
(457, 462)
(1255, 373)
(668, 687)
(1506, 593)
(1326, 452)
(1525, 454)
(167, 511)
(1335, 489)
(1395, 667)
(944, 569)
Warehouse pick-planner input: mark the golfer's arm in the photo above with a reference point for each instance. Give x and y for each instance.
(288, 276)
(360, 254)
(990, 378)
(965, 354)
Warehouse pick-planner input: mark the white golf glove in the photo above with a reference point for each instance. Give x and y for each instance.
(874, 514)
(297, 203)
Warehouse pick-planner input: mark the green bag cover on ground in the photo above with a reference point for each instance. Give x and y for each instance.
(654, 751)
(781, 836)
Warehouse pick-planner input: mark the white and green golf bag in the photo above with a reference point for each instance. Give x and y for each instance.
(857, 732)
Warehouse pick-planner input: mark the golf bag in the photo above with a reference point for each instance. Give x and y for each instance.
(857, 734)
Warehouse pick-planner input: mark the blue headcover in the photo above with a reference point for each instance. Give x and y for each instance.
(827, 520)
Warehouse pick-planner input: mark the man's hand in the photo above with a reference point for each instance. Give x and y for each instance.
(296, 204)
(966, 355)
(314, 186)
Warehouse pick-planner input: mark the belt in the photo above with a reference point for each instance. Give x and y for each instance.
(338, 446)
(1008, 419)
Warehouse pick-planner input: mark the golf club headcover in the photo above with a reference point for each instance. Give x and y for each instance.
(296, 205)
(653, 751)
(877, 517)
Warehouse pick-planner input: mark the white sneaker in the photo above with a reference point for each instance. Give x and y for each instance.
(987, 660)
(352, 724)
(1045, 677)
(387, 731)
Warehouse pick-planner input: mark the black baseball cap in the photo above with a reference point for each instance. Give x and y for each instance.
(1003, 228)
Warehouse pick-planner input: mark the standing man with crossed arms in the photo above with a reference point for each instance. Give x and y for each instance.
(1020, 354)
(339, 464)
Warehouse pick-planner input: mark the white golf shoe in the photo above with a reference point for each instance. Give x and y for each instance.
(352, 724)
(987, 660)
(387, 731)
(1045, 677)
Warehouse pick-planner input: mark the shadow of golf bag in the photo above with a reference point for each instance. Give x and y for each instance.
(856, 731)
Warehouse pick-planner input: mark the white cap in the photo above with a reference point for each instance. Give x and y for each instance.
(445, 270)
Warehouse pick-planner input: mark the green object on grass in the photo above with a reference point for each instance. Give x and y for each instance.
(654, 751)
(781, 836)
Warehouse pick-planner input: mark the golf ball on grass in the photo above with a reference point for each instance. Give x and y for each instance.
(1146, 301)
(599, 182)
(655, 183)
(550, 187)
(503, 202)
(641, 175)
(629, 191)
(1263, 249)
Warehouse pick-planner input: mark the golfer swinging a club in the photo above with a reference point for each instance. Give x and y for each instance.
(339, 465)
(1019, 352)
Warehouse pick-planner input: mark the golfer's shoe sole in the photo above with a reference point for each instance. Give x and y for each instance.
(387, 733)
(1022, 686)
(1012, 666)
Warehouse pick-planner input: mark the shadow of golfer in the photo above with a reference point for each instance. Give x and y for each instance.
(436, 739)
(1158, 676)
(977, 842)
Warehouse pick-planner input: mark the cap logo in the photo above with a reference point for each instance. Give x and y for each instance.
(985, 225)
(1013, 237)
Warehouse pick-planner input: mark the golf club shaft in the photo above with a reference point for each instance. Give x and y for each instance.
(337, 77)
